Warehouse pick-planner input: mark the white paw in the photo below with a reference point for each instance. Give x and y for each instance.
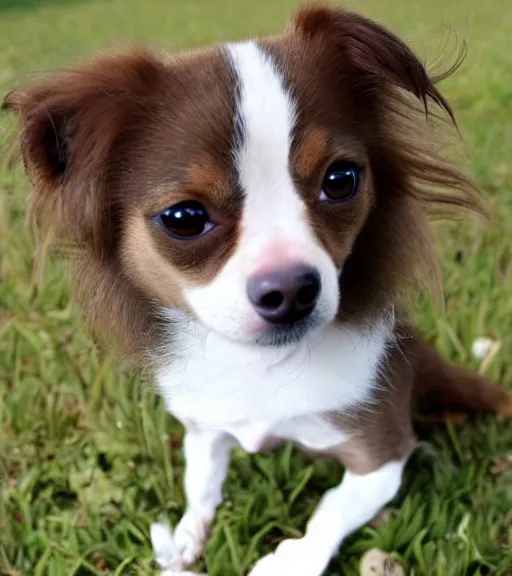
(291, 558)
(269, 566)
(177, 551)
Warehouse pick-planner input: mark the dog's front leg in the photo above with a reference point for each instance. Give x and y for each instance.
(341, 511)
(207, 454)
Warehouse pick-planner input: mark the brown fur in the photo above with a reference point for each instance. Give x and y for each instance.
(204, 177)
(413, 373)
(311, 152)
(440, 385)
(109, 143)
(382, 430)
(147, 267)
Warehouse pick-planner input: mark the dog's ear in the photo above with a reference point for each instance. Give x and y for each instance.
(71, 123)
(372, 49)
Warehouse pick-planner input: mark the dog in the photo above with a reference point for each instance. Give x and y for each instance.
(248, 220)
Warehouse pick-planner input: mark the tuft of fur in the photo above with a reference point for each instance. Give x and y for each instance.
(75, 125)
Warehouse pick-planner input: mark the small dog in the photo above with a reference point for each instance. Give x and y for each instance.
(248, 218)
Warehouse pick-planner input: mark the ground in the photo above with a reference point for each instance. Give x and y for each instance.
(88, 457)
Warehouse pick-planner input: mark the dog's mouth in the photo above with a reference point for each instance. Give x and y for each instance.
(271, 336)
(288, 334)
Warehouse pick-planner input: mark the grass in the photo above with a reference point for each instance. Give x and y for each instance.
(88, 457)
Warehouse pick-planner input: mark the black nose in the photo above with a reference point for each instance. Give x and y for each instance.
(285, 296)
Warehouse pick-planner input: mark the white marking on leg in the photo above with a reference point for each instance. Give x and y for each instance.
(341, 511)
(207, 456)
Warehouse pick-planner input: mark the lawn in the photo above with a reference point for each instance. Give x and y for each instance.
(88, 456)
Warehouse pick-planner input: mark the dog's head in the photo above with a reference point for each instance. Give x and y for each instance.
(265, 188)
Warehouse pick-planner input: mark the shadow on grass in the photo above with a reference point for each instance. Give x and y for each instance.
(19, 5)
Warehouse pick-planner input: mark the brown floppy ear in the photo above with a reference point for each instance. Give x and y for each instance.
(414, 174)
(388, 73)
(373, 50)
(71, 125)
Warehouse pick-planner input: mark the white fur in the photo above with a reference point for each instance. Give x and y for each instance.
(217, 383)
(274, 229)
(227, 393)
(227, 390)
(341, 511)
(207, 456)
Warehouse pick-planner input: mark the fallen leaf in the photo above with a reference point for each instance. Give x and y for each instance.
(81, 520)
(11, 483)
(98, 561)
(481, 347)
(377, 563)
(485, 349)
(500, 465)
(382, 517)
(71, 407)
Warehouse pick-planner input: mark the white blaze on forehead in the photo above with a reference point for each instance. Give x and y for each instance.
(266, 112)
(274, 228)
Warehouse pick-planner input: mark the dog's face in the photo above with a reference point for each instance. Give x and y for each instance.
(259, 187)
(254, 190)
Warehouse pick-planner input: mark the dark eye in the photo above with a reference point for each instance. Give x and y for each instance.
(341, 181)
(187, 219)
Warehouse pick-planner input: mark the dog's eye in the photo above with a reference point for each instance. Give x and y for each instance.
(341, 181)
(187, 219)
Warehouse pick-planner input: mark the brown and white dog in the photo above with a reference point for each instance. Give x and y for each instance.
(247, 218)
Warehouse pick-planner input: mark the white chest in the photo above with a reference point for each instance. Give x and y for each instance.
(254, 393)
(313, 432)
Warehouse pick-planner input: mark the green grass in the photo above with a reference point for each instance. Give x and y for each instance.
(88, 457)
